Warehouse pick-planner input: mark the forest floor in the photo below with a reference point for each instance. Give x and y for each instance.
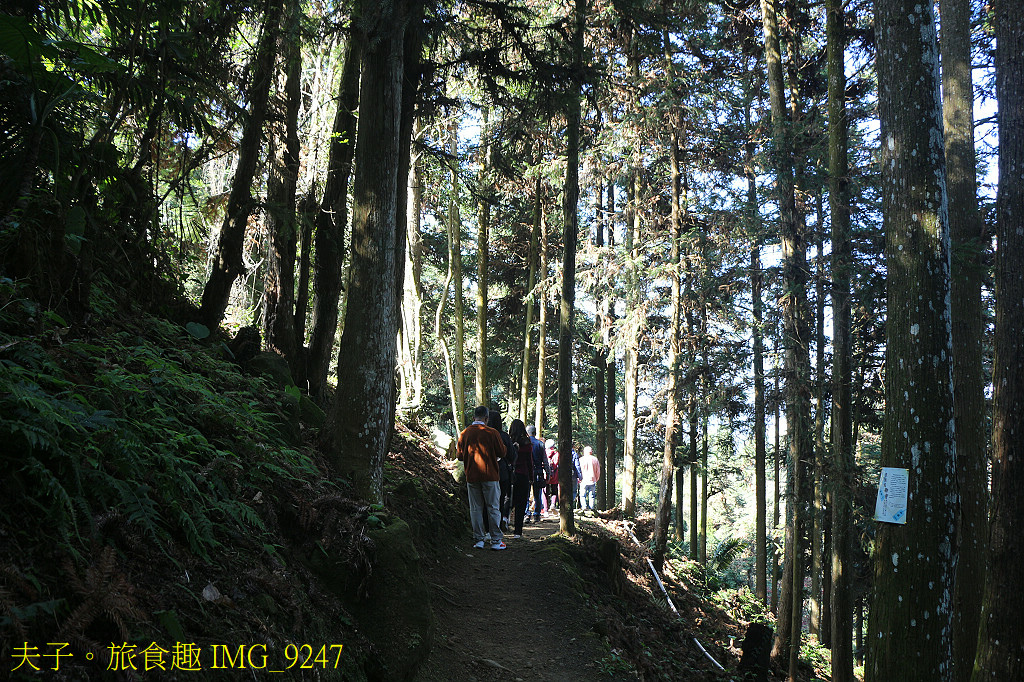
(512, 614)
(557, 608)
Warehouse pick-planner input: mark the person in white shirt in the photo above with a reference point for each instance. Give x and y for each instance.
(590, 467)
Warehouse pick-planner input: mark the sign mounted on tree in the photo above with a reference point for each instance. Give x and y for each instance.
(891, 503)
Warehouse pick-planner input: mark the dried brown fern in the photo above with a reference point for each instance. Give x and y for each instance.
(105, 591)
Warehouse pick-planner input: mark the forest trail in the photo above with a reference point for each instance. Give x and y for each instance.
(508, 615)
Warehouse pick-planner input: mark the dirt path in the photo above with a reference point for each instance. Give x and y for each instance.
(508, 615)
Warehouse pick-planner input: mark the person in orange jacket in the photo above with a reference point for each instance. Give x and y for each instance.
(479, 448)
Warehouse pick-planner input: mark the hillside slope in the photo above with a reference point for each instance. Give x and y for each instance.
(165, 510)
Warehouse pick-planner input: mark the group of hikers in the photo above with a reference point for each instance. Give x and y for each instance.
(512, 477)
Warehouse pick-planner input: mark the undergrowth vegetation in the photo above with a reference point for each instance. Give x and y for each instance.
(141, 470)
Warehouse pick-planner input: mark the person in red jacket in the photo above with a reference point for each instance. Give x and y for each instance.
(479, 448)
(552, 491)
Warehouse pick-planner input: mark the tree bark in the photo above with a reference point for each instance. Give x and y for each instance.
(570, 218)
(776, 498)
(632, 374)
(965, 228)
(331, 223)
(531, 297)
(361, 420)
(910, 629)
(540, 415)
(282, 180)
(453, 226)
(458, 314)
(600, 363)
(608, 473)
(412, 299)
(227, 260)
(818, 494)
(842, 358)
(673, 390)
(306, 218)
(1001, 640)
(797, 360)
(483, 227)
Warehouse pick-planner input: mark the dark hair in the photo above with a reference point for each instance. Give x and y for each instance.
(494, 419)
(517, 432)
(480, 413)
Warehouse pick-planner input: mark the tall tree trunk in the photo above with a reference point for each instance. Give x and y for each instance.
(483, 227)
(600, 363)
(761, 479)
(608, 473)
(776, 498)
(453, 370)
(361, 423)
(459, 313)
(227, 260)
(632, 373)
(760, 473)
(542, 330)
(910, 629)
(331, 223)
(570, 218)
(308, 209)
(1000, 649)
(693, 458)
(531, 298)
(797, 361)
(279, 288)
(679, 516)
(412, 300)
(842, 355)
(673, 390)
(965, 229)
(411, 73)
(818, 494)
(703, 558)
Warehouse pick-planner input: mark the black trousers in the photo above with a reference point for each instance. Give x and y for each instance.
(520, 494)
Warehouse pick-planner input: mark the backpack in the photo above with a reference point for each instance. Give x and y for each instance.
(538, 467)
(554, 473)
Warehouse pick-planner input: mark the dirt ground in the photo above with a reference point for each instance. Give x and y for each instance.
(507, 615)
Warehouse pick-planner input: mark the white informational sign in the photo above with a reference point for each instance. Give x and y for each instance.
(891, 505)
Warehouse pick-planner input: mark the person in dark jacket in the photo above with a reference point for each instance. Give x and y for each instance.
(522, 476)
(541, 472)
(505, 467)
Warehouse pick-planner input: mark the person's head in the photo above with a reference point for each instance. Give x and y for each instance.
(517, 429)
(588, 450)
(494, 419)
(480, 414)
(532, 430)
(549, 443)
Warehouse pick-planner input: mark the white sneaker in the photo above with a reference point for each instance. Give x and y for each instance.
(479, 545)
(499, 545)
